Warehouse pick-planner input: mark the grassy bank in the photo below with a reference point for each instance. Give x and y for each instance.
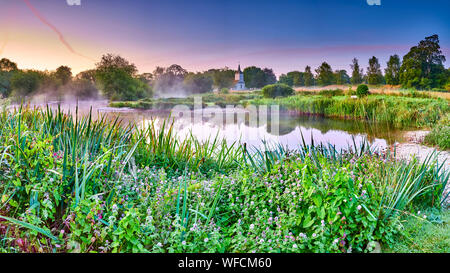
(80, 185)
(398, 111)
(440, 134)
(426, 232)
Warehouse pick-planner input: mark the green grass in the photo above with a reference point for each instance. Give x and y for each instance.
(398, 111)
(420, 235)
(440, 134)
(74, 184)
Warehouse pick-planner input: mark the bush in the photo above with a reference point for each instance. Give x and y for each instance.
(224, 91)
(277, 90)
(440, 135)
(362, 90)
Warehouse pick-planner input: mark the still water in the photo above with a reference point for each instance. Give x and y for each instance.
(239, 125)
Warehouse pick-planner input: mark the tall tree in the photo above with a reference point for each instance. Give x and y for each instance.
(111, 61)
(325, 74)
(269, 76)
(422, 66)
(198, 83)
(286, 79)
(7, 65)
(374, 75)
(254, 77)
(222, 78)
(342, 77)
(64, 74)
(357, 73)
(116, 78)
(308, 76)
(391, 73)
(297, 78)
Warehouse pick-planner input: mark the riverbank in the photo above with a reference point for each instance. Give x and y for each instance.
(82, 185)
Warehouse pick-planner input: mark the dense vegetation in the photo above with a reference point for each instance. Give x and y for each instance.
(440, 135)
(277, 90)
(76, 184)
(422, 68)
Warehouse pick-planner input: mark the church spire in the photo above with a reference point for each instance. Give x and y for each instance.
(239, 68)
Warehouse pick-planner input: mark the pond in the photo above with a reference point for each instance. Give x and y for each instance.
(252, 128)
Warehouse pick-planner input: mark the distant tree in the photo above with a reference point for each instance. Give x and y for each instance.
(5, 83)
(146, 77)
(222, 78)
(277, 90)
(287, 80)
(325, 74)
(374, 75)
(297, 78)
(110, 61)
(254, 77)
(422, 66)
(357, 73)
(116, 78)
(117, 84)
(6, 65)
(341, 77)
(269, 76)
(7, 70)
(83, 89)
(24, 83)
(169, 79)
(393, 69)
(198, 83)
(64, 74)
(308, 76)
(87, 75)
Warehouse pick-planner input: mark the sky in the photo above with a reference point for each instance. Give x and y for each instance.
(284, 35)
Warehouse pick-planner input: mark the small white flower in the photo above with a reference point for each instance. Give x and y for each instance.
(294, 246)
(252, 226)
(206, 240)
(359, 207)
(183, 243)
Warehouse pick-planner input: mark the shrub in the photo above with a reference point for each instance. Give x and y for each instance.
(277, 90)
(440, 135)
(224, 91)
(362, 90)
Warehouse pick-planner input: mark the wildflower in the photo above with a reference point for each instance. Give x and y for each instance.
(314, 235)
(294, 246)
(159, 245)
(252, 226)
(206, 240)
(183, 243)
(359, 207)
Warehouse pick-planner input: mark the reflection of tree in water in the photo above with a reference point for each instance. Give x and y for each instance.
(289, 122)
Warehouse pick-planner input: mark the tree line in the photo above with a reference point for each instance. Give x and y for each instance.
(116, 78)
(421, 68)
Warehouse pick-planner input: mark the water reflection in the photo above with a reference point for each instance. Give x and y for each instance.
(236, 125)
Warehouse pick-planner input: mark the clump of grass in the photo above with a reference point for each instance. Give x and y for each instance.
(440, 134)
(424, 232)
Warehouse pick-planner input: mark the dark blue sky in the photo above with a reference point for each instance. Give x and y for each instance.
(200, 34)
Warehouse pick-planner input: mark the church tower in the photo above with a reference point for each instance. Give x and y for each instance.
(239, 83)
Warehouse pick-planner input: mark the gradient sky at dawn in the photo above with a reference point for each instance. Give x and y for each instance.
(200, 34)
